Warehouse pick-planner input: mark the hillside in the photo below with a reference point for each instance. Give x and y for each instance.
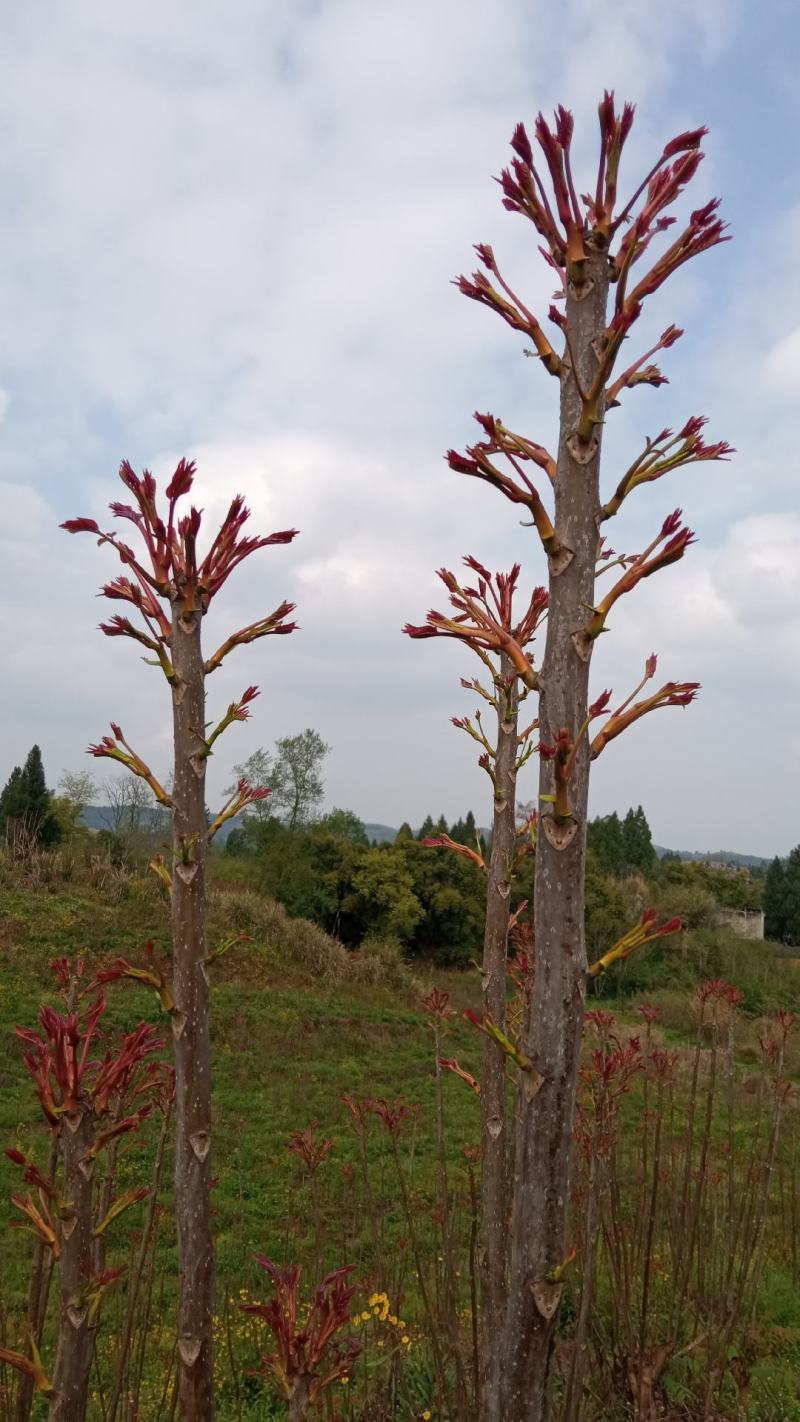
(298, 1022)
(719, 856)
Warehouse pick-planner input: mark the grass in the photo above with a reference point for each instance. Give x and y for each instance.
(286, 1045)
(297, 1022)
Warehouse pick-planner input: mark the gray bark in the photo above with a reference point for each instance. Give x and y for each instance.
(544, 1121)
(191, 1027)
(492, 1249)
(75, 1335)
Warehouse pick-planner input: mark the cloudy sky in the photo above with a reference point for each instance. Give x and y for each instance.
(229, 232)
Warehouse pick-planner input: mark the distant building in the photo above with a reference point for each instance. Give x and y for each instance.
(747, 923)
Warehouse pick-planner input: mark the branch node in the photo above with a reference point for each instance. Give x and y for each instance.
(189, 1349)
(547, 1297)
(559, 834)
(561, 560)
(582, 453)
(583, 644)
(200, 1142)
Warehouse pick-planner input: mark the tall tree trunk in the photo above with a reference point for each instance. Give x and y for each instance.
(492, 1253)
(191, 1025)
(75, 1334)
(544, 1121)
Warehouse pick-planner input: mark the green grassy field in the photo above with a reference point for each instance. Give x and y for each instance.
(296, 1024)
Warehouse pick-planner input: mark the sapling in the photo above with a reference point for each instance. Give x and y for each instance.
(171, 585)
(485, 619)
(308, 1356)
(82, 1093)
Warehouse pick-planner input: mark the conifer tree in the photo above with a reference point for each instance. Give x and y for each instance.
(637, 842)
(27, 801)
(790, 899)
(775, 901)
(12, 800)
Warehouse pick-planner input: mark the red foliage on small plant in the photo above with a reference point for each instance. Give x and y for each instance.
(307, 1357)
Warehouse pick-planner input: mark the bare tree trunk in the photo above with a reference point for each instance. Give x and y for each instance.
(75, 1334)
(544, 1121)
(191, 1025)
(299, 1402)
(492, 1254)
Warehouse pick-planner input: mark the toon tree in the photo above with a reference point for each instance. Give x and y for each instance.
(607, 260)
(170, 585)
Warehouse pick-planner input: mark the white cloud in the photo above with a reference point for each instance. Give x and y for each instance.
(782, 365)
(232, 236)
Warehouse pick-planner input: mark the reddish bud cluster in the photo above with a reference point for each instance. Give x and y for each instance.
(359, 1109)
(480, 462)
(485, 617)
(169, 570)
(150, 976)
(509, 306)
(649, 1013)
(718, 990)
(68, 1077)
(606, 1080)
(665, 453)
(443, 841)
(773, 1042)
(245, 794)
(573, 227)
(672, 693)
(308, 1147)
(67, 973)
(174, 572)
(306, 1354)
(647, 930)
(663, 1062)
(668, 546)
(393, 1114)
(450, 1064)
(437, 1004)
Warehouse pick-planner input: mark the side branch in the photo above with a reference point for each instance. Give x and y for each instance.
(133, 762)
(273, 626)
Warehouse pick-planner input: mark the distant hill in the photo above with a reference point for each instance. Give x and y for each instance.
(380, 834)
(725, 856)
(385, 834)
(101, 817)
